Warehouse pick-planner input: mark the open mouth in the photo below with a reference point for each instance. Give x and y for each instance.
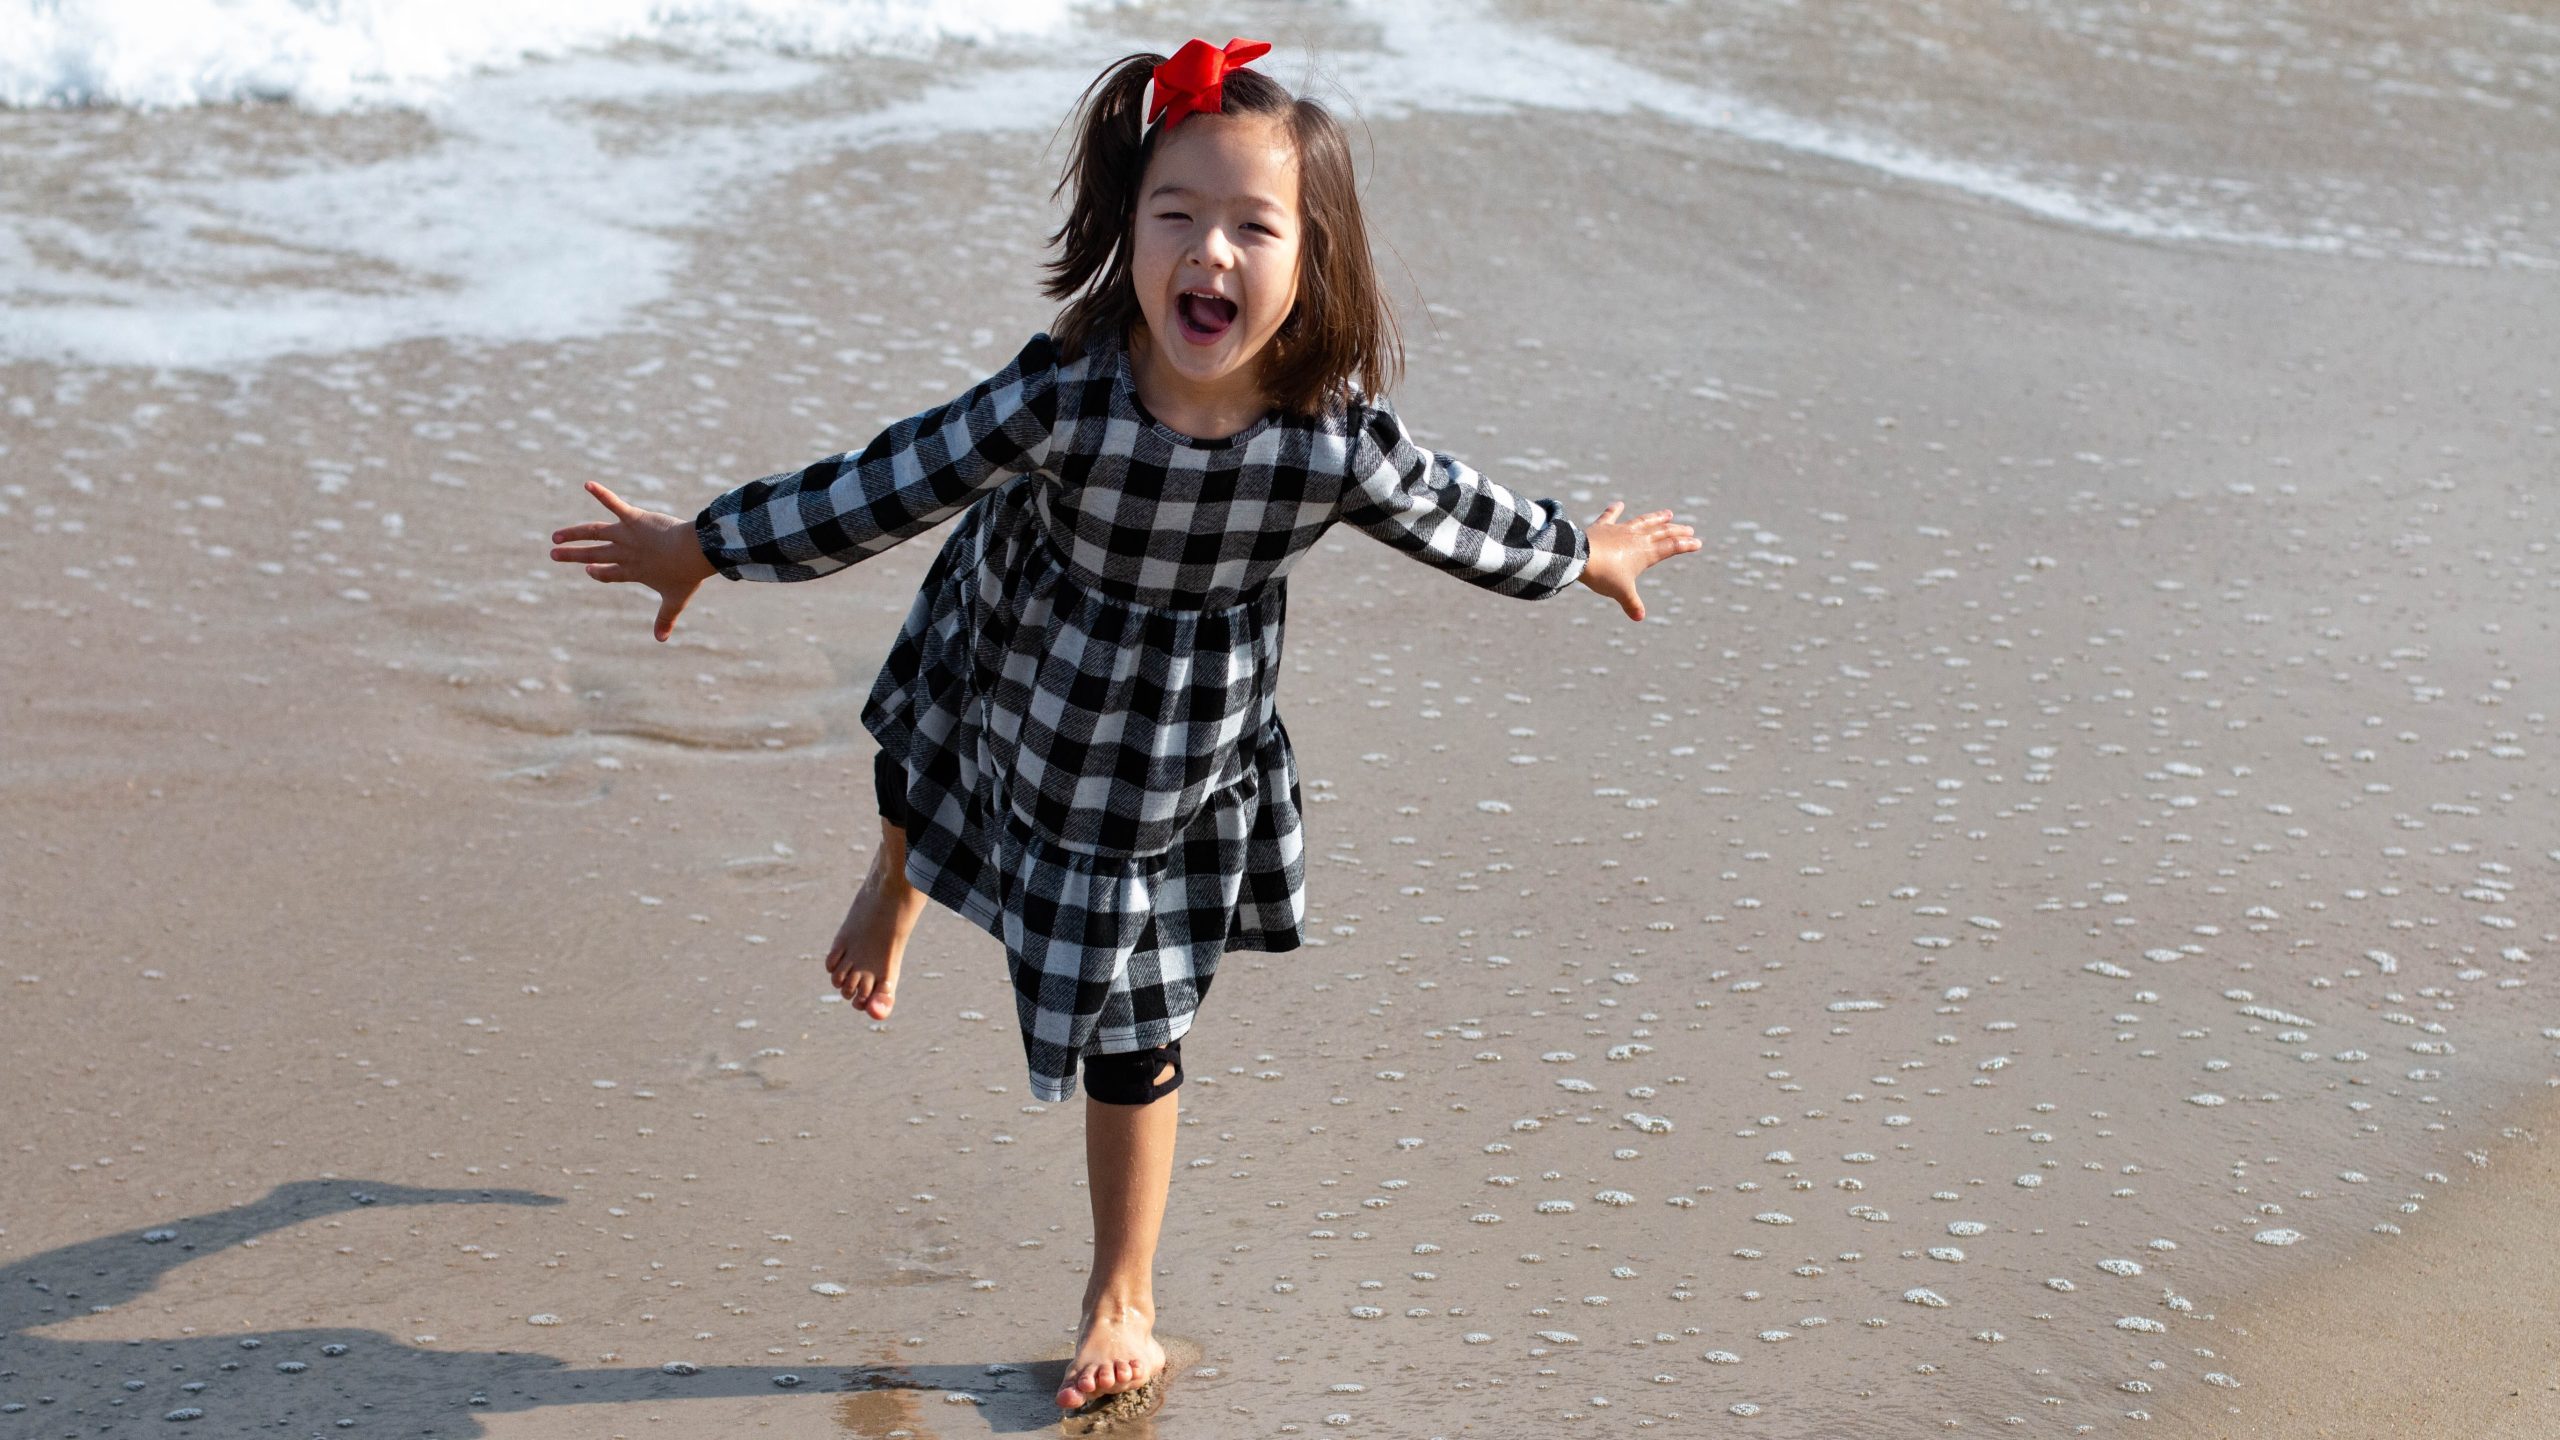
(1203, 317)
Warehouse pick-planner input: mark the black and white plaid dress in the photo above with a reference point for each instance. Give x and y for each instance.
(1080, 705)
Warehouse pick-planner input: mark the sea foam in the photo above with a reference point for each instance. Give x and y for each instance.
(341, 54)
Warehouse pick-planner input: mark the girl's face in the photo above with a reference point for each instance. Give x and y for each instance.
(1215, 256)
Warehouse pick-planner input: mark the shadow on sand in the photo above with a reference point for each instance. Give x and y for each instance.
(362, 1382)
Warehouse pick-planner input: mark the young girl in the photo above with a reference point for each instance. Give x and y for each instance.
(1078, 745)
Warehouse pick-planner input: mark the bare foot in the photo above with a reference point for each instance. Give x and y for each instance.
(1116, 1352)
(863, 962)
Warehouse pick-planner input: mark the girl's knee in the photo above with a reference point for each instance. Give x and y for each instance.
(1138, 1077)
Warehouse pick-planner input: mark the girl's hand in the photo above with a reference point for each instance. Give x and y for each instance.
(656, 550)
(1620, 553)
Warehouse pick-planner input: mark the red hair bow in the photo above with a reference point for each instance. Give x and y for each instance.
(1195, 79)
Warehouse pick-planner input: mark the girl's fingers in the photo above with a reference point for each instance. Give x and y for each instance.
(1610, 515)
(592, 530)
(610, 574)
(587, 554)
(609, 500)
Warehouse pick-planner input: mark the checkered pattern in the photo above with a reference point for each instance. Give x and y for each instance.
(1082, 698)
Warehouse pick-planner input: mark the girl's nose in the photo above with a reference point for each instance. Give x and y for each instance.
(1215, 250)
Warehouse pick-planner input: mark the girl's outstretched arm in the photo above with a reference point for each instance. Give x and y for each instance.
(1445, 513)
(1620, 553)
(916, 474)
(811, 522)
(636, 545)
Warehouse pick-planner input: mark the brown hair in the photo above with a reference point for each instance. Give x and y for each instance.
(1342, 333)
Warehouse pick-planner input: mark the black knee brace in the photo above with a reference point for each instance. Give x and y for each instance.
(1139, 1077)
(889, 783)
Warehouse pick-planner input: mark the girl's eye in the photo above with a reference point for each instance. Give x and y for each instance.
(1171, 215)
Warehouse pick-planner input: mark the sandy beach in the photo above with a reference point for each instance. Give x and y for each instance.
(2450, 1333)
(2046, 928)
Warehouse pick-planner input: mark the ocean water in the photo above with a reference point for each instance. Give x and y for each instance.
(367, 174)
(338, 54)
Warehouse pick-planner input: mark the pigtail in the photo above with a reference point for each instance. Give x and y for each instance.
(1091, 267)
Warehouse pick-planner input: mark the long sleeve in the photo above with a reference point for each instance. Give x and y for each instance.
(1437, 509)
(913, 476)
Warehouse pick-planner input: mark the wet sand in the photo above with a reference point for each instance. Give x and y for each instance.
(2456, 1332)
(2011, 939)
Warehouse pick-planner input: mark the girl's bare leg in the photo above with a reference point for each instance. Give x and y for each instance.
(863, 962)
(1128, 1162)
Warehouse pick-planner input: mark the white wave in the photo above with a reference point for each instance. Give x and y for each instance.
(1442, 55)
(531, 217)
(520, 224)
(336, 54)
(1458, 55)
